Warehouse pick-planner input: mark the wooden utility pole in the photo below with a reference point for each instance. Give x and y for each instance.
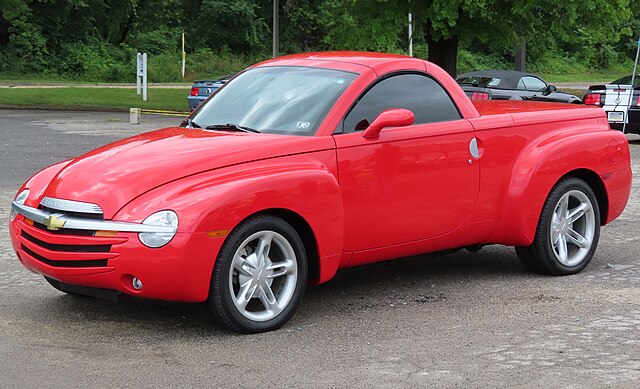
(276, 27)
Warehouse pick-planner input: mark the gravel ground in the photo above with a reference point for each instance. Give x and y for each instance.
(461, 320)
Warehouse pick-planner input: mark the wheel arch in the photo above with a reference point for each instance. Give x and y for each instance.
(595, 182)
(520, 227)
(303, 228)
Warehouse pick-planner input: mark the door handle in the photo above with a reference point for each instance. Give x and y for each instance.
(473, 148)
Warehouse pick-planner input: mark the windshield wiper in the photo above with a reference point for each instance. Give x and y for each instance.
(189, 123)
(232, 127)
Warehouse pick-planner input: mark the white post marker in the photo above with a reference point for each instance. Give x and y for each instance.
(141, 75)
(138, 73)
(134, 115)
(410, 36)
(633, 80)
(184, 56)
(144, 76)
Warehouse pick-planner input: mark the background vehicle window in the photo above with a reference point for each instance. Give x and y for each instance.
(420, 94)
(534, 84)
(521, 85)
(479, 81)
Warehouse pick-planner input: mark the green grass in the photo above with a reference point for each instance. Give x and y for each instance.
(94, 98)
(582, 77)
(607, 76)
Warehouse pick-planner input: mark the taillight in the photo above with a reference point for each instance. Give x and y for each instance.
(479, 96)
(593, 99)
(194, 91)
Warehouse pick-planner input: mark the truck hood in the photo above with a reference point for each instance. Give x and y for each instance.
(115, 174)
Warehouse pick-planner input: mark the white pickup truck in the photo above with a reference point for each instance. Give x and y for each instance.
(614, 98)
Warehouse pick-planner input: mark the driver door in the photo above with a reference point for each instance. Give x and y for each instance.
(413, 182)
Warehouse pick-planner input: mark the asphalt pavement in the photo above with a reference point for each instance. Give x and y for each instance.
(463, 320)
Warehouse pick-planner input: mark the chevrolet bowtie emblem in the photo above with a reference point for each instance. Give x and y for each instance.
(53, 223)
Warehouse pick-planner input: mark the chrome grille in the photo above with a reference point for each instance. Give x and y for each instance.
(77, 207)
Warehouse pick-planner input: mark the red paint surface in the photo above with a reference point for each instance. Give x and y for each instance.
(410, 190)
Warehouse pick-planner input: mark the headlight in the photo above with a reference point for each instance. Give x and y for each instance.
(20, 199)
(159, 239)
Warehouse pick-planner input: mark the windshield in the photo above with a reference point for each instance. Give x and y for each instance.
(276, 100)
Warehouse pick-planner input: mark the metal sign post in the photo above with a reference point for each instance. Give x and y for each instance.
(276, 28)
(141, 75)
(633, 80)
(138, 74)
(184, 56)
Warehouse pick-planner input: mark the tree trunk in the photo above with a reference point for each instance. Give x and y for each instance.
(521, 56)
(442, 52)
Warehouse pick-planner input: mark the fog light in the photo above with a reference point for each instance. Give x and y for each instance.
(137, 284)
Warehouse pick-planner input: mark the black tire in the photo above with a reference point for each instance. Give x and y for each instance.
(227, 284)
(544, 256)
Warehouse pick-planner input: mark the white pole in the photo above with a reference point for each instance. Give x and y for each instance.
(184, 56)
(138, 73)
(633, 79)
(410, 36)
(144, 76)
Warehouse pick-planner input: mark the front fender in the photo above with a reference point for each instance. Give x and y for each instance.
(217, 201)
(541, 165)
(39, 182)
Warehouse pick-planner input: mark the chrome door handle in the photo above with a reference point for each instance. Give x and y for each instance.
(473, 148)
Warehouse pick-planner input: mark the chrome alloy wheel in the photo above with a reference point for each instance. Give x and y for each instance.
(572, 228)
(263, 276)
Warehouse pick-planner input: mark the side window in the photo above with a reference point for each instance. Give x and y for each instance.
(521, 85)
(534, 84)
(420, 94)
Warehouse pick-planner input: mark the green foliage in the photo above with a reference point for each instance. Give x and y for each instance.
(362, 24)
(96, 61)
(162, 40)
(233, 25)
(558, 63)
(96, 40)
(468, 61)
(205, 63)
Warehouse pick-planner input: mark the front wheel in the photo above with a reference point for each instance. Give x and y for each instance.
(259, 277)
(568, 230)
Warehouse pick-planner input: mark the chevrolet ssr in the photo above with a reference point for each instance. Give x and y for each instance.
(307, 164)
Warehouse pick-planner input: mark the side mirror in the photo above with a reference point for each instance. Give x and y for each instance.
(550, 89)
(395, 117)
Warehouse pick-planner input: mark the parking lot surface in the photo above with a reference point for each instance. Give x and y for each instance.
(461, 320)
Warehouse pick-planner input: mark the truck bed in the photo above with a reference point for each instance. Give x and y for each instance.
(532, 112)
(494, 107)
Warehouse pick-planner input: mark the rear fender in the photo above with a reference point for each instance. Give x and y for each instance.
(542, 164)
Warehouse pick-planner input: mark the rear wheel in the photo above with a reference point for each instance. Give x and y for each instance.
(259, 277)
(568, 230)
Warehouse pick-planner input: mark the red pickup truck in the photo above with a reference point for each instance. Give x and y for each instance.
(310, 163)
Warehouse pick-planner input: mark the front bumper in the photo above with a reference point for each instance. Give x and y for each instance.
(179, 271)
